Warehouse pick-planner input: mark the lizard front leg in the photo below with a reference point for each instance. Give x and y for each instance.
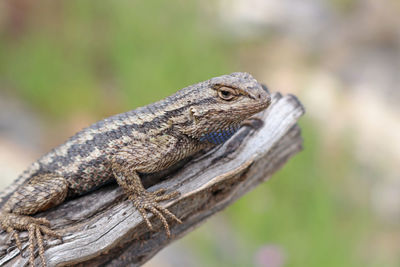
(41, 193)
(124, 166)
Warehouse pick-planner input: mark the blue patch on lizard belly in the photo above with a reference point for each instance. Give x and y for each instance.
(219, 136)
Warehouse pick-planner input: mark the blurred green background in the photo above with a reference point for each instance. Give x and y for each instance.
(66, 64)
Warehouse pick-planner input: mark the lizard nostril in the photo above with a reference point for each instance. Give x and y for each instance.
(259, 96)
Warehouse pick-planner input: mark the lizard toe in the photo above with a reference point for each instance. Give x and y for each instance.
(160, 192)
(159, 215)
(149, 202)
(167, 196)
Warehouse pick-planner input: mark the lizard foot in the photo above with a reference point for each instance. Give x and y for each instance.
(36, 227)
(149, 201)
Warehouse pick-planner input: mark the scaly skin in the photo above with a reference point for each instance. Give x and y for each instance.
(145, 140)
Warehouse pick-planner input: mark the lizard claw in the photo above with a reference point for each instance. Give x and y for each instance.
(149, 202)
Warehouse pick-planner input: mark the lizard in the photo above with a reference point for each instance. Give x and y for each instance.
(144, 140)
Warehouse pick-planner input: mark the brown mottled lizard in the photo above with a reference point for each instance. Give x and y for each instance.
(145, 140)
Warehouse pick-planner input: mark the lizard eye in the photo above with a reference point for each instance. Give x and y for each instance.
(226, 93)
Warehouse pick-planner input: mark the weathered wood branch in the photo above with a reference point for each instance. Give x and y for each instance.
(104, 228)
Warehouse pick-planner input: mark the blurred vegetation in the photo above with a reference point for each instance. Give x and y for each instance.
(66, 57)
(75, 55)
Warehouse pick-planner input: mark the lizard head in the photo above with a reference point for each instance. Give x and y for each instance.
(222, 103)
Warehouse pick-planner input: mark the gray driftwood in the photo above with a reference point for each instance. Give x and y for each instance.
(103, 228)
